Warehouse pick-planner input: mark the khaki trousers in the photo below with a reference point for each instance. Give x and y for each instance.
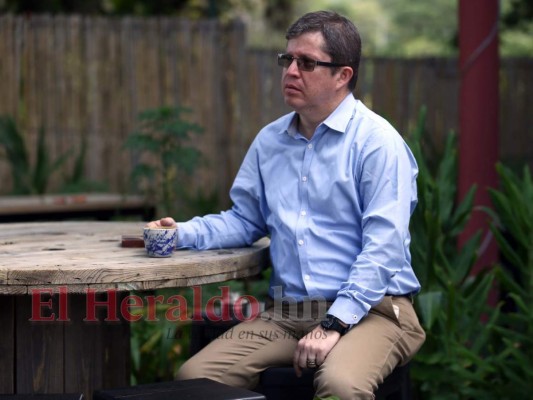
(389, 336)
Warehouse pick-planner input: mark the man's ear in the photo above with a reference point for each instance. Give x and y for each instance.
(344, 76)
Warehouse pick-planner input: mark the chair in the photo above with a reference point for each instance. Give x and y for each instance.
(281, 383)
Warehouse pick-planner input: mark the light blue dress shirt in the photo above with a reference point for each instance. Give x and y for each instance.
(336, 207)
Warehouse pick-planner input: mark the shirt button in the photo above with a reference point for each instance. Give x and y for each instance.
(310, 146)
(354, 317)
(301, 242)
(307, 277)
(303, 213)
(304, 178)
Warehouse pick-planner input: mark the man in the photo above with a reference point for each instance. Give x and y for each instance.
(334, 185)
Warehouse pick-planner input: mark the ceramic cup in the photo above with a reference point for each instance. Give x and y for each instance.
(160, 242)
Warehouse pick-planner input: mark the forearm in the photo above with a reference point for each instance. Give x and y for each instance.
(224, 230)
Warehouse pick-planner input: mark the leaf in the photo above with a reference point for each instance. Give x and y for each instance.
(144, 142)
(465, 259)
(446, 178)
(430, 306)
(143, 171)
(43, 169)
(151, 342)
(41, 173)
(507, 249)
(15, 147)
(79, 164)
(463, 211)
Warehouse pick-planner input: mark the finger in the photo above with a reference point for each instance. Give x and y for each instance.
(168, 221)
(320, 358)
(312, 361)
(304, 357)
(153, 224)
(298, 371)
(295, 363)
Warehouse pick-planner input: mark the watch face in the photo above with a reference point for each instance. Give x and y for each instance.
(331, 323)
(328, 322)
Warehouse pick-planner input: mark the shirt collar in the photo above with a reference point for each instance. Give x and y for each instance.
(292, 129)
(338, 120)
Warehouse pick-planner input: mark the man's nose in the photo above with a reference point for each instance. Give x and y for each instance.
(293, 67)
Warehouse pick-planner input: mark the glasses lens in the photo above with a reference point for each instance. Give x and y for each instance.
(306, 64)
(285, 60)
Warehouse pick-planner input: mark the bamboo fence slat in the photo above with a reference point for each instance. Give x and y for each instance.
(87, 79)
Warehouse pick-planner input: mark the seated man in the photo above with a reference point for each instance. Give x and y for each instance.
(334, 185)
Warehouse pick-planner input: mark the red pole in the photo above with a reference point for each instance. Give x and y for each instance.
(478, 114)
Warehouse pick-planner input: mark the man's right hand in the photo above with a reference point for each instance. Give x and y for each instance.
(167, 222)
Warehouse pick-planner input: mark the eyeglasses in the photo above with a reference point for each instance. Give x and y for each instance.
(303, 63)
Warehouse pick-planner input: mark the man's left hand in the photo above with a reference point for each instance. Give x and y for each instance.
(313, 348)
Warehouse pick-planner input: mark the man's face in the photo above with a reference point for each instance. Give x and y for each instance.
(308, 92)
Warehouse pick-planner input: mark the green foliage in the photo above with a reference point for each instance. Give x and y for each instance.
(517, 13)
(168, 162)
(438, 220)
(401, 27)
(404, 28)
(34, 178)
(187, 8)
(76, 182)
(27, 178)
(513, 229)
(199, 203)
(159, 348)
(453, 303)
(481, 353)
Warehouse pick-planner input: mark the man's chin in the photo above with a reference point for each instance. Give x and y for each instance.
(293, 102)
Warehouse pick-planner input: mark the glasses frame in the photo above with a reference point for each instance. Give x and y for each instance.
(285, 60)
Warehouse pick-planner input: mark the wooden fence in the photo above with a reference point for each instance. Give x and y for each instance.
(80, 77)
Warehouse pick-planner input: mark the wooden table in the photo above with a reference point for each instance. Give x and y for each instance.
(46, 270)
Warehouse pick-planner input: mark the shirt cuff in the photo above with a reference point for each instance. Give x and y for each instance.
(186, 236)
(349, 311)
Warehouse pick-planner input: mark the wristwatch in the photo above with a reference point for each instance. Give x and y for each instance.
(334, 324)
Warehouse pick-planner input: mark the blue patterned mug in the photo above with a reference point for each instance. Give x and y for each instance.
(160, 242)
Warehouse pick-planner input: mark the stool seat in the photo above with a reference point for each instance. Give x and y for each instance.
(281, 383)
(191, 389)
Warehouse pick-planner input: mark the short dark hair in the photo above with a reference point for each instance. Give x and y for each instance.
(342, 39)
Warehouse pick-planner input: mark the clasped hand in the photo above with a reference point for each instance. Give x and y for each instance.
(313, 349)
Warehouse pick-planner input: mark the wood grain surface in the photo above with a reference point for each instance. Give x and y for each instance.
(85, 255)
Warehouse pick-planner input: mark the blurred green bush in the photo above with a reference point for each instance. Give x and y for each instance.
(473, 350)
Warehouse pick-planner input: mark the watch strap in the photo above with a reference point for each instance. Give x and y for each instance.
(333, 323)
